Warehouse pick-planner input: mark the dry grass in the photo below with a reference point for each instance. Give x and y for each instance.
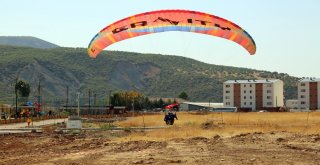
(140, 121)
(191, 124)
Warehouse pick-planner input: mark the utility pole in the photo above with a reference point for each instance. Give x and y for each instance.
(109, 97)
(16, 92)
(39, 95)
(89, 99)
(126, 99)
(78, 103)
(67, 98)
(133, 104)
(133, 107)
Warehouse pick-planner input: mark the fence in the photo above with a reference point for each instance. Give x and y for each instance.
(22, 120)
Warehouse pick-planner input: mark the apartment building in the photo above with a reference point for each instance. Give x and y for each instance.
(308, 93)
(253, 95)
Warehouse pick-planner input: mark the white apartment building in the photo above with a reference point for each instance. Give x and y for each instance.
(253, 95)
(309, 93)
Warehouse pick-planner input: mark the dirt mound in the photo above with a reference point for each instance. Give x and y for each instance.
(207, 125)
(216, 137)
(281, 140)
(315, 138)
(138, 146)
(197, 140)
(248, 134)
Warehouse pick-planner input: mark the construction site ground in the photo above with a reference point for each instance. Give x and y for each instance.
(104, 147)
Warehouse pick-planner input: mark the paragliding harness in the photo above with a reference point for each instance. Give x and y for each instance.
(169, 118)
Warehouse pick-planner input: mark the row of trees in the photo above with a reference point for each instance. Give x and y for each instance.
(136, 100)
(129, 99)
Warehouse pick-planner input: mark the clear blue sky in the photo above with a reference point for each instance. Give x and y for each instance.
(286, 31)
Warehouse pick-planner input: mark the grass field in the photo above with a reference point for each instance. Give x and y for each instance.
(223, 124)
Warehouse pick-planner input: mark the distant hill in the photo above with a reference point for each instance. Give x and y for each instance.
(154, 75)
(26, 41)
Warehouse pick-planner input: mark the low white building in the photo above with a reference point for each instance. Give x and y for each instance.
(253, 95)
(292, 104)
(190, 106)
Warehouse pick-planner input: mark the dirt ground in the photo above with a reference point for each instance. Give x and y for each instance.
(101, 147)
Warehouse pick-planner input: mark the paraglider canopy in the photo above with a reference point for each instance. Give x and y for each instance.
(170, 20)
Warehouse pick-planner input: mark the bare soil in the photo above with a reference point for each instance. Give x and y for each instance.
(101, 147)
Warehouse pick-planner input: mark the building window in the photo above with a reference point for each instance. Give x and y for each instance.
(245, 103)
(227, 91)
(268, 91)
(302, 96)
(227, 97)
(303, 90)
(269, 85)
(227, 86)
(303, 84)
(250, 85)
(245, 85)
(268, 97)
(250, 97)
(250, 91)
(250, 103)
(302, 102)
(269, 103)
(227, 103)
(244, 97)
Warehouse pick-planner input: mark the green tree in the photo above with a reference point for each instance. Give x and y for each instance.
(22, 88)
(183, 95)
(161, 103)
(147, 103)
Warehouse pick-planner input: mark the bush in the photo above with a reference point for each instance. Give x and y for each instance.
(106, 126)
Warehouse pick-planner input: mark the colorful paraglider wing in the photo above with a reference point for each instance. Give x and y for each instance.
(170, 20)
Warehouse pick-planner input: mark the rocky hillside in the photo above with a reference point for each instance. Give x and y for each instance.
(153, 75)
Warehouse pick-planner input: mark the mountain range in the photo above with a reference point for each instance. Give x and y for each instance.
(26, 41)
(58, 69)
